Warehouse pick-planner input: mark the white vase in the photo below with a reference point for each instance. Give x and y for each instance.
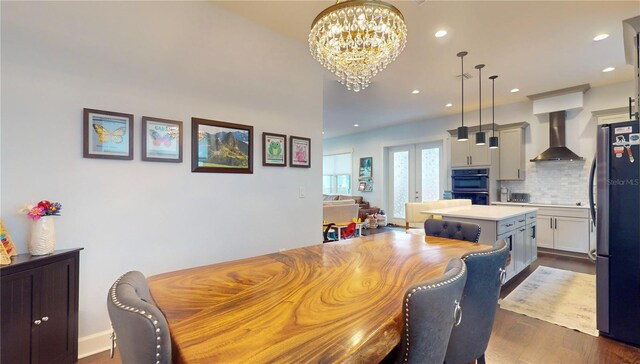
(43, 236)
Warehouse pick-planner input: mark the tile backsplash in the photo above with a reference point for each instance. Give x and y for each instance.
(554, 182)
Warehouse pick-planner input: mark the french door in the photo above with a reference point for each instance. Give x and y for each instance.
(416, 173)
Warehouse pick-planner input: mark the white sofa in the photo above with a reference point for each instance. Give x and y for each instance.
(415, 220)
(340, 213)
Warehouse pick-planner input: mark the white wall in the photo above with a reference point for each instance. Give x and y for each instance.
(581, 138)
(169, 60)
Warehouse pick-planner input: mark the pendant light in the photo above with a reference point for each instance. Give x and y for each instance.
(493, 140)
(481, 137)
(463, 131)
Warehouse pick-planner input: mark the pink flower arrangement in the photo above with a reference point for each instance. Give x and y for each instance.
(43, 208)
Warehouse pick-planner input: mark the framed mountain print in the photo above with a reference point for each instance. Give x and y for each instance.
(107, 134)
(274, 150)
(221, 147)
(300, 152)
(161, 140)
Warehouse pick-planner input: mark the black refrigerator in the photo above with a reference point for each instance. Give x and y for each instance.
(618, 231)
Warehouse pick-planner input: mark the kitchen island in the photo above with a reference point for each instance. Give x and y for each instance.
(516, 225)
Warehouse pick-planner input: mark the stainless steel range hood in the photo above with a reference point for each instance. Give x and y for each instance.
(557, 151)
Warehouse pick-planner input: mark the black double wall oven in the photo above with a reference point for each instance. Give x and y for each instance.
(472, 184)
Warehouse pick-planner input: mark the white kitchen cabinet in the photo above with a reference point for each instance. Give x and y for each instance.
(468, 154)
(459, 153)
(521, 251)
(571, 234)
(564, 229)
(512, 154)
(532, 242)
(561, 227)
(545, 231)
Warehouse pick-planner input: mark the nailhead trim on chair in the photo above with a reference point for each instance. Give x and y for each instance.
(151, 319)
(488, 252)
(417, 289)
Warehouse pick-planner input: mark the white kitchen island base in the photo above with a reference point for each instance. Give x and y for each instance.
(515, 225)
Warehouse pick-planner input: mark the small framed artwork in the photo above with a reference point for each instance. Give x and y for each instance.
(300, 152)
(221, 147)
(366, 185)
(107, 134)
(274, 150)
(365, 170)
(161, 140)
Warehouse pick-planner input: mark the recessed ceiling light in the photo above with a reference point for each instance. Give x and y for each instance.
(415, 92)
(356, 125)
(323, 133)
(608, 69)
(441, 33)
(601, 37)
(448, 105)
(514, 90)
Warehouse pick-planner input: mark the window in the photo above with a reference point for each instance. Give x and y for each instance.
(336, 174)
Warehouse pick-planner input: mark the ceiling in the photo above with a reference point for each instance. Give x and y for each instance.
(536, 46)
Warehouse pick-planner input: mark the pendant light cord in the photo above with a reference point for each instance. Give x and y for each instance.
(493, 107)
(462, 78)
(480, 92)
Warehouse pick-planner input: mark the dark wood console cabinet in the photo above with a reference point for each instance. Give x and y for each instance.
(39, 308)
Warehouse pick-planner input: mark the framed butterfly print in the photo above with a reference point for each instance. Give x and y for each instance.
(300, 152)
(107, 134)
(161, 140)
(221, 147)
(274, 150)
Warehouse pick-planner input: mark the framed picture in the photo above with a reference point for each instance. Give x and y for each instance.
(300, 152)
(107, 134)
(161, 140)
(274, 150)
(365, 168)
(221, 147)
(366, 185)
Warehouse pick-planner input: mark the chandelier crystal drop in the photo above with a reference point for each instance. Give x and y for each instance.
(356, 39)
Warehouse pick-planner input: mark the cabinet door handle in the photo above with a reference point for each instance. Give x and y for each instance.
(556, 224)
(551, 222)
(533, 230)
(470, 160)
(45, 318)
(37, 322)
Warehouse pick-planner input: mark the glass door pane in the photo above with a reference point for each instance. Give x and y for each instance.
(402, 179)
(429, 166)
(400, 183)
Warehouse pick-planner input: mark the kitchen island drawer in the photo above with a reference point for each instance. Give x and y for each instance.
(507, 225)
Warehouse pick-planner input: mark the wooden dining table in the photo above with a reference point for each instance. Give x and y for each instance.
(326, 303)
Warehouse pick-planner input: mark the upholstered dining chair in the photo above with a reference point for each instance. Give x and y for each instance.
(140, 328)
(452, 230)
(429, 312)
(486, 275)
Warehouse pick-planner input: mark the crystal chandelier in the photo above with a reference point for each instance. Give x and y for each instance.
(355, 39)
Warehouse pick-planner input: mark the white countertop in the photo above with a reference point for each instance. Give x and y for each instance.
(482, 212)
(540, 205)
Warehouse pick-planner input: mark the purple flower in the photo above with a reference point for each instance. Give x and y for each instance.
(54, 209)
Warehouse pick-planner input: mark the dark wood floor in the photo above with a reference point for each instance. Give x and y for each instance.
(518, 339)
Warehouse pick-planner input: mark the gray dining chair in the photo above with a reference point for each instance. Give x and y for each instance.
(486, 274)
(429, 312)
(452, 230)
(141, 330)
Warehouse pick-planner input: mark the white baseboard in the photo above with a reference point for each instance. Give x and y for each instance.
(93, 344)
